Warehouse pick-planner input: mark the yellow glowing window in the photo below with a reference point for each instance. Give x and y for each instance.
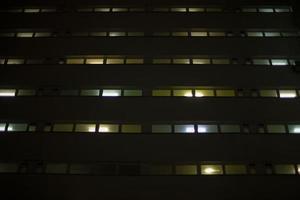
(287, 94)
(25, 34)
(131, 128)
(111, 93)
(201, 61)
(198, 34)
(161, 128)
(182, 93)
(15, 61)
(85, 128)
(161, 61)
(94, 61)
(211, 169)
(181, 61)
(2, 127)
(63, 127)
(235, 169)
(178, 9)
(204, 93)
(225, 93)
(108, 128)
(133, 93)
(184, 128)
(17, 127)
(294, 129)
(298, 169)
(119, 9)
(255, 34)
(115, 61)
(284, 169)
(71, 61)
(25, 92)
(196, 9)
(186, 169)
(117, 34)
(134, 61)
(180, 34)
(161, 93)
(268, 93)
(102, 9)
(203, 128)
(31, 10)
(7, 92)
(90, 93)
(276, 128)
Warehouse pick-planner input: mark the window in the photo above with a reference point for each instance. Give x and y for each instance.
(186, 169)
(108, 128)
(284, 169)
(280, 10)
(235, 169)
(185, 34)
(133, 93)
(7, 92)
(184, 129)
(115, 61)
(287, 94)
(261, 62)
(272, 34)
(2, 127)
(102, 9)
(80, 169)
(196, 9)
(211, 169)
(265, 10)
(25, 34)
(181, 61)
(225, 93)
(17, 127)
(160, 9)
(249, 10)
(8, 167)
(217, 34)
(198, 34)
(131, 128)
(98, 34)
(161, 61)
(161, 33)
(117, 34)
(268, 93)
(31, 10)
(69, 92)
(201, 61)
(63, 127)
(42, 34)
(289, 34)
(203, 128)
(255, 34)
(2, 61)
(161, 93)
(182, 93)
(75, 61)
(204, 93)
(279, 62)
(230, 128)
(85, 128)
(94, 61)
(178, 9)
(134, 61)
(276, 129)
(294, 129)
(160, 169)
(90, 93)
(220, 61)
(15, 61)
(7, 34)
(111, 93)
(56, 168)
(136, 9)
(135, 34)
(120, 9)
(161, 128)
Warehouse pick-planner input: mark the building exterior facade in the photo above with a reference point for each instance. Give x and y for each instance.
(150, 99)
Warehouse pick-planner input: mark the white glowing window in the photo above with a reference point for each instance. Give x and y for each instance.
(272, 34)
(161, 93)
(180, 34)
(98, 34)
(25, 34)
(255, 34)
(201, 61)
(131, 128)
(117, 34)
(204, 93)
(266, 10)
(102, 9)
(108, 128)
(7, 92)
(15, 61)
(134, 61)
(161, 128)
(178, 9)
(63, 127)
(85, 128)
(196, 9)
(162, 61)
(182, 93)
(115, 61)
(181, 61)
(198, 34)
(203, 128)
(119, 9)
(17, 127)
(294, 129)
(230, 128)
(111, 93)
(90, 93)
(261, 62)
(278, 128)
(211, 169)
(133, 93)
(2, 127)
(184, 129)
(75, 61)
(94, 61)
(279, 62)
(287, 94)
(31, 10)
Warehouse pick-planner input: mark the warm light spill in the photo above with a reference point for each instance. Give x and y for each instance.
(103, 129)
(91, 129)
(199, 94)
(188, 94)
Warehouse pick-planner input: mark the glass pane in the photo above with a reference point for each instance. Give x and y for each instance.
(180, 34)
(181, 61)
(184, 129)
(284, 169)
(7, 92)
(31, 10)
(2, 127)
(266, 10)
(279, 10)
(182, 93)
(8, 167)
(24, 34)
(15, 61)
(217, 34)
(287, 93)
(63, 127)
(202, 128)
(80, 169)
(204, 93)
(235, 169)
(161, 61)
(201, 61)
(225, 93)
(220, 61)
(98, 34)
(268, 93)
(94, 61)
(248, 9)
(186, 169)
(85, 128)
(178, 9)
(75, 61)
(160, 9)
(90, 93)
(108, 128)
(160, 170)
(131, 128)
(161, 128)
(230, 128)
(279, 62)
(162, 93)
(261, 62)
(255, 34)
(119, 9)
(289, 34)
(17, 127)
(196, 9)
(117, 34)
(133, 93)
(111, 93)
(134, 61)
(115, 61)
(102, 9)
(56, 168)
(211, 169)
(198, 34)
(272, 34)
(294, 129)
(276, 129)
(42, 34)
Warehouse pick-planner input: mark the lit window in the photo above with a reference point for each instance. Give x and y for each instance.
(211, 169)
(160, 170)
(294, 129)
(266, 10)
(178, 9)
(230, 128)
(202, 128)
(272, 34)
(181, 61)
(85, 128)
(115, 61)
(26, 92)
(117, 34)
(136, 34)
(287, 94)
(63, 127)
(186, 169)
(220, 61)
(217, 34)
(280, 10)
(284, 169)
(15, 61)
(180, 34)
(182, 93)
(71, 61)
(31, 10)
(261, 62)
(161, 61)
(24, 34)
(276, 129)
(235, 169)
(201, 61)
(8, 167)
(108, 128)
(133, 93)
(184, 129)
(196, 9)
(7, 92)
(198, 34)
(225, 93)
(204, 93)
(134, 61)
(90, 93)
(111, 93)
(94, 61)
(102, 9)
(2, 127)
(120, 9)
(17, 127)
(255, 34)
(161, 128)
(161, 93)
(131, 128)
(268, 93)
(279, 62)
(56, 168)
(249, 10)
